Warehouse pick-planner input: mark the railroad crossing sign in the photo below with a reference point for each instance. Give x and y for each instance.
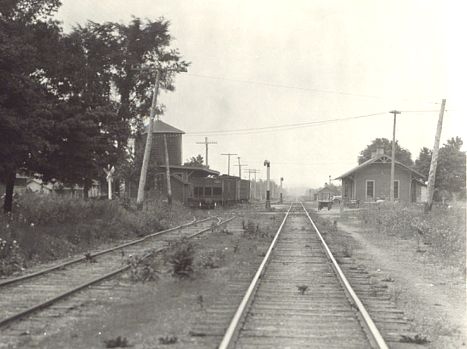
(109, 171)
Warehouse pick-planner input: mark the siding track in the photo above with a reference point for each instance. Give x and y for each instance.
(299, 297)
(20, 297)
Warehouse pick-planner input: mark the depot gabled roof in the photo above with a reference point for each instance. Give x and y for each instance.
(162, 127)
(380, 158)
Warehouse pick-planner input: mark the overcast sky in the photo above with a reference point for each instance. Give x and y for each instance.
(257, 64)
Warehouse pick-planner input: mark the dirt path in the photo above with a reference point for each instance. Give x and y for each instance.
(432, 295)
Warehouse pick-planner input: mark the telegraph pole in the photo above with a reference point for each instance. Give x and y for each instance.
(167, 172)
(268, 191)
(147, 148)
(207, 146)
(240, 167)
(393, 155)
(228, 161)
(252, 171)
(434, 160)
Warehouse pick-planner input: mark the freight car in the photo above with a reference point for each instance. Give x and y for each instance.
(212, 191)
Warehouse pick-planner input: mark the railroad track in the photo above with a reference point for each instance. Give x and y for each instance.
(25, 295)
(299, 297)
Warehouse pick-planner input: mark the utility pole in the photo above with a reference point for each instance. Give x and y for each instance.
(240, 167)
(147, 149)
(280, 199)
(207, 146)
(268, 192)
(393, 155)
(434, 160)
(228, 161)
(250, 172)
(167, 172)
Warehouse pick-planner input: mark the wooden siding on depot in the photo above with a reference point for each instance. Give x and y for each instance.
(380, 173)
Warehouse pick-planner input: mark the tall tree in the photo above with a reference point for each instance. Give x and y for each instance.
(25, 103)
(451, 169)
(402, 154)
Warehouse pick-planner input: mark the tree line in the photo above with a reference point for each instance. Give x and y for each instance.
(69, 102)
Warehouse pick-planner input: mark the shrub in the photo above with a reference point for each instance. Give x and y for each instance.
(181, 259)
(143, 270)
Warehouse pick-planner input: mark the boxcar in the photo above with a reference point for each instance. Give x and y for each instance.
(208, 192)
(244, 190)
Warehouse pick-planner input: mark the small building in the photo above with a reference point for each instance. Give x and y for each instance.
(182, 176)
(326, 194)
(172, 135)
(370, 181)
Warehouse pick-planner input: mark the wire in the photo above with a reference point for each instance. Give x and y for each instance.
(276, 85)
(271, 84)
(281, 127)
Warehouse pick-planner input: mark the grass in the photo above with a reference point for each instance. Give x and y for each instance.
(440, 233)
(119, 342)
(168, 340)
(44, 228)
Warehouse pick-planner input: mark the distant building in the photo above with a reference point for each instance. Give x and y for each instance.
(327, 193)
(370, 181)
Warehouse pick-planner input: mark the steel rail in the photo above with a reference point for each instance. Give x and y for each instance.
(368, 322)
(65, 294)
(234, 323)
(10, 281)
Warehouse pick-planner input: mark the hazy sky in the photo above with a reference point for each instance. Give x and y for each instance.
(257, 64)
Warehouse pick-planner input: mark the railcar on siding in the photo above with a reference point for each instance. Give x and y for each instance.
(213, 191)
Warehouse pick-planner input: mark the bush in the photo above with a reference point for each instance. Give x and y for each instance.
(182, 259)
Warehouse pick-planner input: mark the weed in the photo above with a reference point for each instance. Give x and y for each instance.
(200, 301)
(347, 251)
(11, 260)
(182, 259)
(197, 334)
(213, 260)
(388, 279)
(417, 339)
(168, 340)
(302, 289)
(142, 270)
(334, 226)
(253, 231)
(89, 258)
(119, 342)
(443, 230)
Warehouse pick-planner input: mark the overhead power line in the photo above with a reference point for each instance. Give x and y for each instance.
(283, 126)
(301, 88)
(254, 130)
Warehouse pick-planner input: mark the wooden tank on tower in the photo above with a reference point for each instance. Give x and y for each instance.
(174, 143)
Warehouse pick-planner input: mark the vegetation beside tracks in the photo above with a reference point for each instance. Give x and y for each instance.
(45, 228)
(440, 233)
